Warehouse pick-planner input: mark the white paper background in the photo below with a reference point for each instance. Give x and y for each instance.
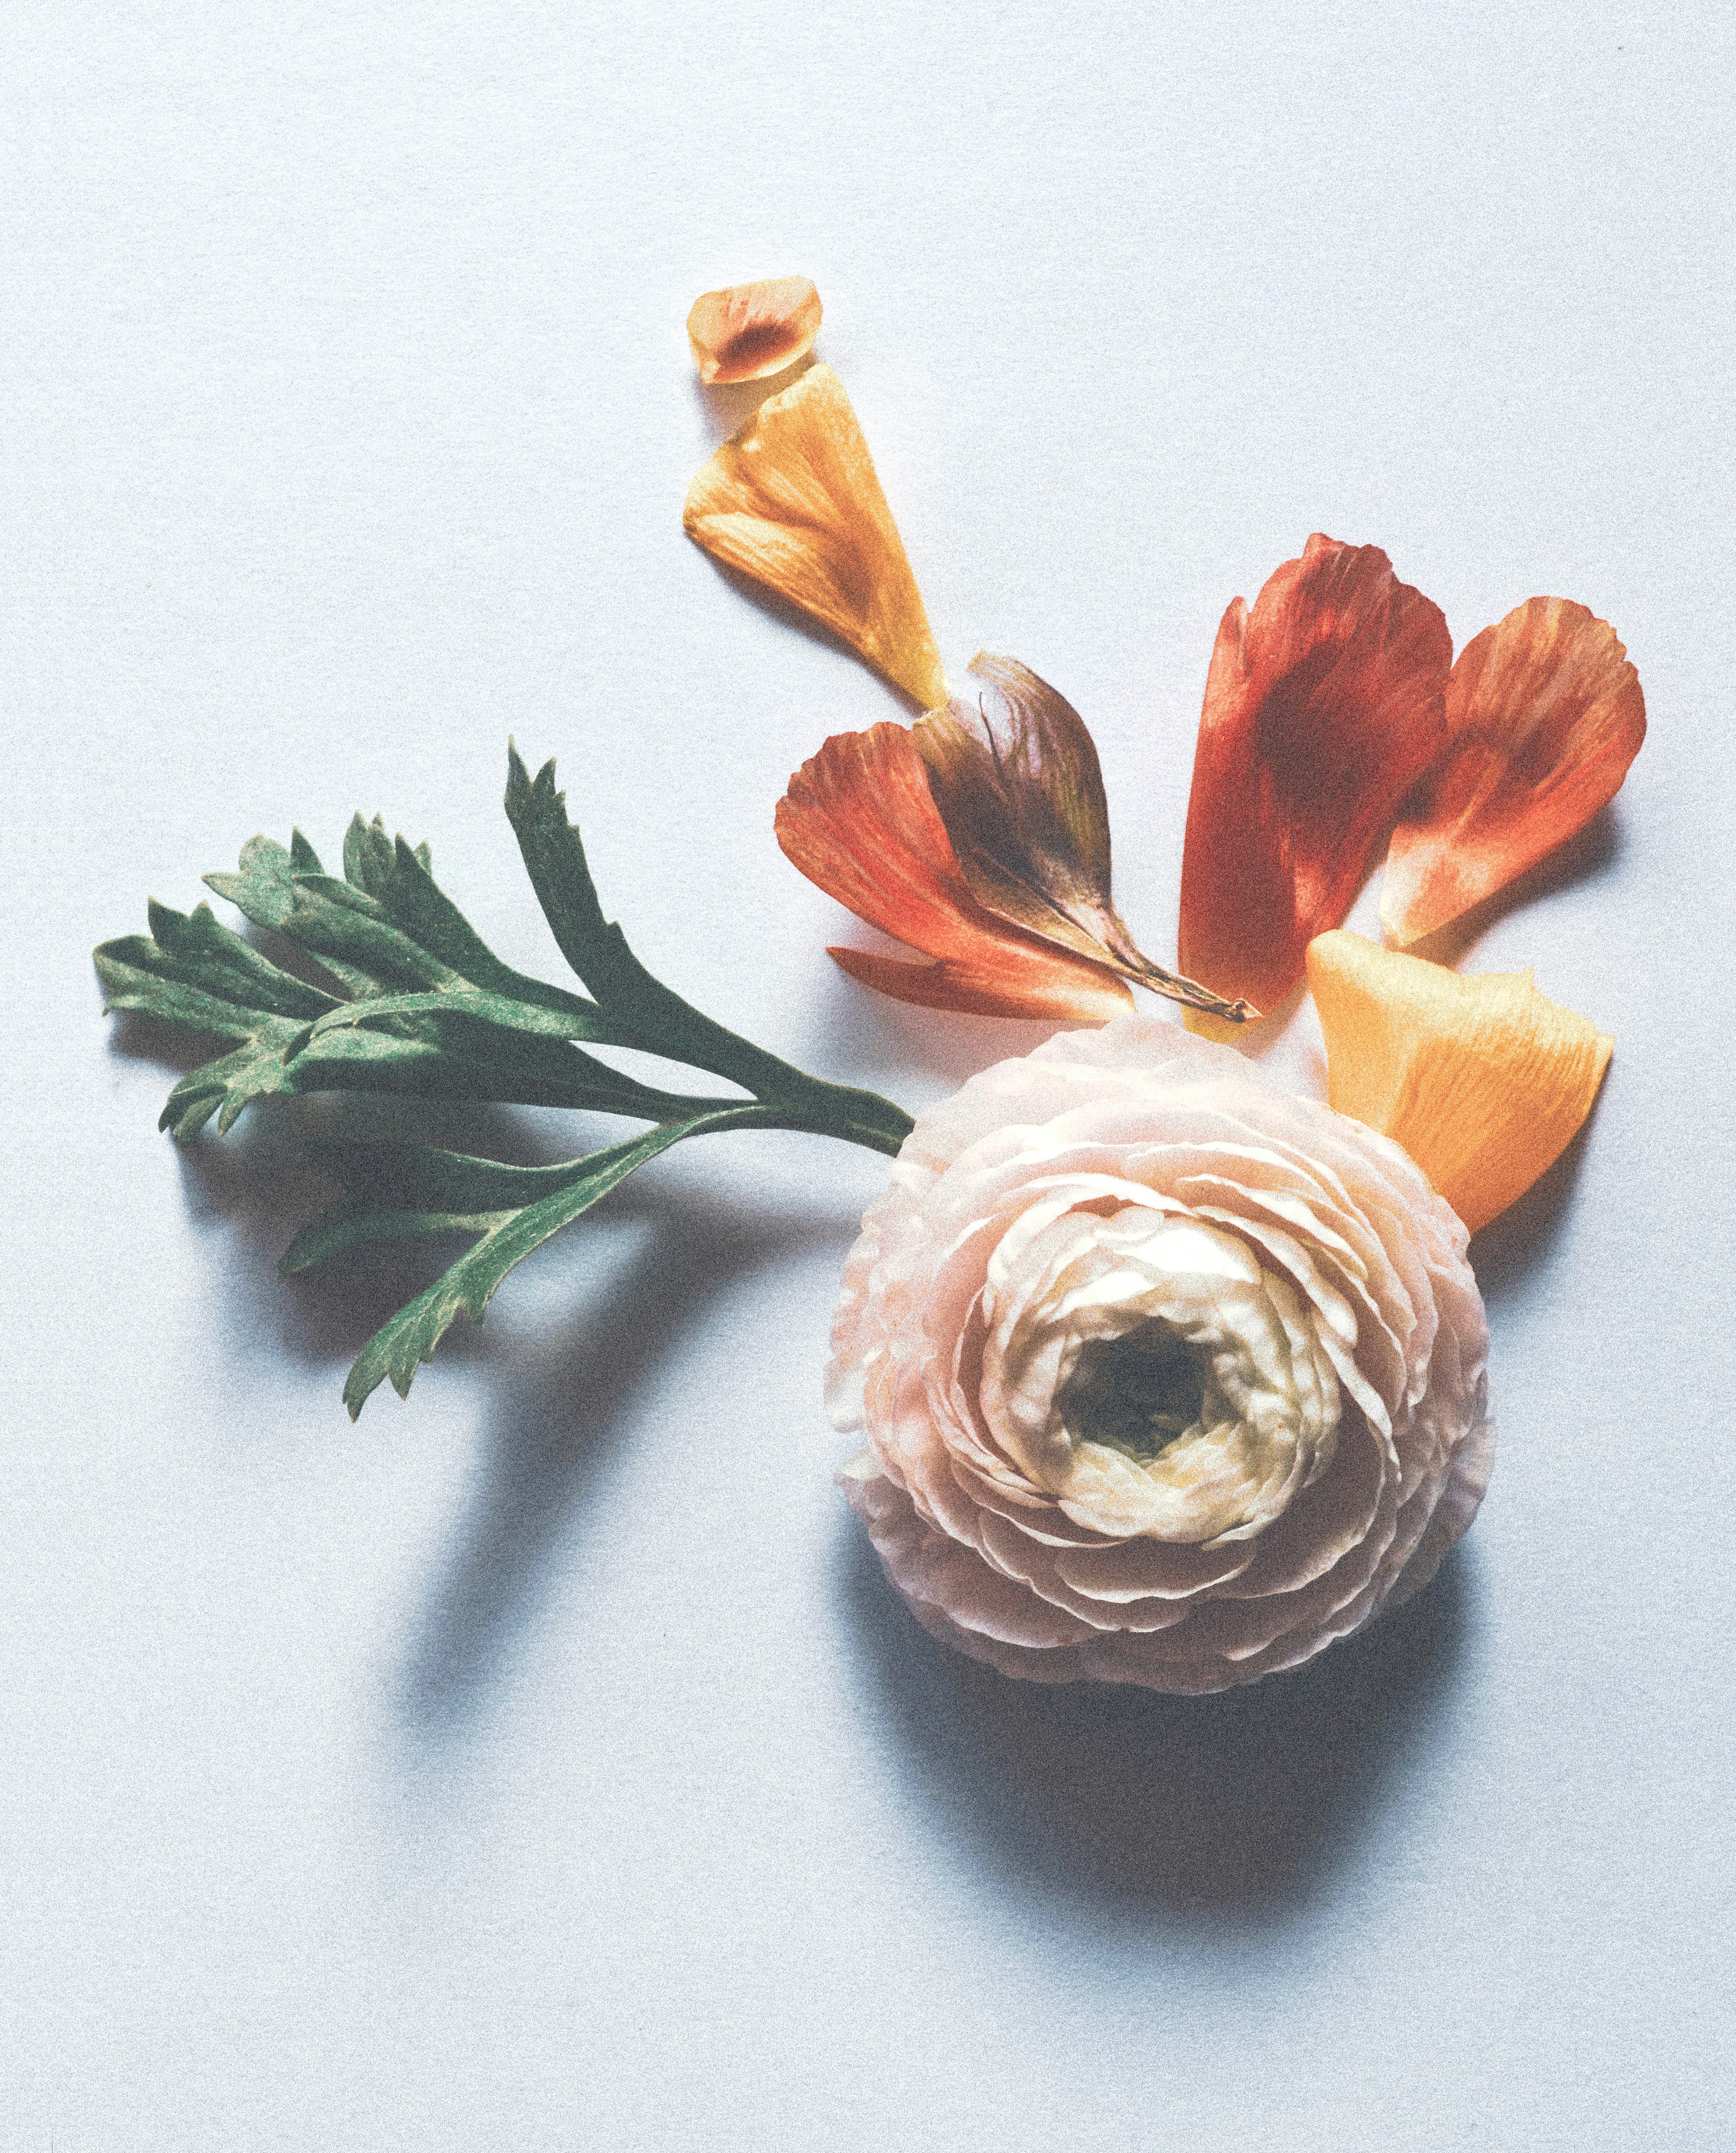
(542, 1764)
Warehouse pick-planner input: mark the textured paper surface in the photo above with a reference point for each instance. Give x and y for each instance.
(543, 1763)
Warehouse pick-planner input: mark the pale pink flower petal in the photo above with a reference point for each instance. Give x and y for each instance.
(1167, 1376)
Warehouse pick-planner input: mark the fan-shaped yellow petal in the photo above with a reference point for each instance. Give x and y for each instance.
(1484, 1081)
(793, 501)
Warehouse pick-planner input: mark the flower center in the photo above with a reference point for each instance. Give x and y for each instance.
(1137, 1393)
(1147, 1370)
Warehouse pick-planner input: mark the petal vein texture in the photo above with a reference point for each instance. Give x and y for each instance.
(1484, 1082)
(792, 501)
(1543, 716)
(1323, 708)
(859, 820)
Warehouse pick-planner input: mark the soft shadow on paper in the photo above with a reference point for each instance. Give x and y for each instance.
(1237, 1808)
(562, 1405)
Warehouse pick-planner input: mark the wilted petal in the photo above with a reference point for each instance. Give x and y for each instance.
(792, 501)
(1543, 716)
(1323, 707)
(752, 330)
(859, 820)
(1484, 1081)
(1016, 777)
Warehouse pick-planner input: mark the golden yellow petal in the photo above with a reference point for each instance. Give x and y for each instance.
(1484, 1081)
(749, 331)
(792, 501)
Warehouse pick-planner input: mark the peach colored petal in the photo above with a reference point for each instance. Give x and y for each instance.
(1323, 707)
(1484, 1081)
(749, 331)
(858, 819)
(792, 501)
(1543, 716)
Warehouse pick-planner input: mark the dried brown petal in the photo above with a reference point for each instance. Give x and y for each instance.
(859, 820)
(1015, 776)
(749, 331)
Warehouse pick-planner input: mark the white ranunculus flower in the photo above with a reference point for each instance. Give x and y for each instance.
(1168, 1376)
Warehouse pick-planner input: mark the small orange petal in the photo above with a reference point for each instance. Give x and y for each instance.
(1484, 1081)
(858, 820)
(749, 331)
(792, 501)
(1544, 714)
(1323, 707)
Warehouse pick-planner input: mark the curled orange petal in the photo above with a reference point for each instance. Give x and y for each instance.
(792, 501)
(1543, 716)
(1484, 1081)
(749, 331)
(858, 820)
(1323, 707)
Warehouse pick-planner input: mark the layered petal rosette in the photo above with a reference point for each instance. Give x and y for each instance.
(1167, 1376)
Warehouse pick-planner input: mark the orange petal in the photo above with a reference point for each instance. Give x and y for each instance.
(1544, 714)
(752, 330)
(1484, 1081)
(858, 820)
(792, 501)
(1322, 710)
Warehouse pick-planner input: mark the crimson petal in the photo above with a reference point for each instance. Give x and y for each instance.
(1323, 708)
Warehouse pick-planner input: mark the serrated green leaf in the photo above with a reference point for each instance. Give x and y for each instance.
(400, 1345)
(367, 854)
(425, 1177)
(138, 974)
(264, 889)
(397, 1192)
(203, 952)
(422, 1007)
(416, 903)
(554, 857)
(336, 1232)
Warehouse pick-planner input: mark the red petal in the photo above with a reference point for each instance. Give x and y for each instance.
(1323, 707)
(858, 820)
(1544, 714)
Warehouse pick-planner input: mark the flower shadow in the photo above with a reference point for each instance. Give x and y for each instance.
(1585, 858)
(1153, 1810)
(870, 1034)
(1508, 1252)
(728, 405)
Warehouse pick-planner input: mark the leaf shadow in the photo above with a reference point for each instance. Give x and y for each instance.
(856, 1028)
(1146, 1809)
(561, 1409)
(260, 1183)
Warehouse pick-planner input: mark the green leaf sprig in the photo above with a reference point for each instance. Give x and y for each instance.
(417, 1004)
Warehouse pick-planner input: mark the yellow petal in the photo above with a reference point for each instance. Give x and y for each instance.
(1483, 1080)
(753, 330)
(792, 501)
